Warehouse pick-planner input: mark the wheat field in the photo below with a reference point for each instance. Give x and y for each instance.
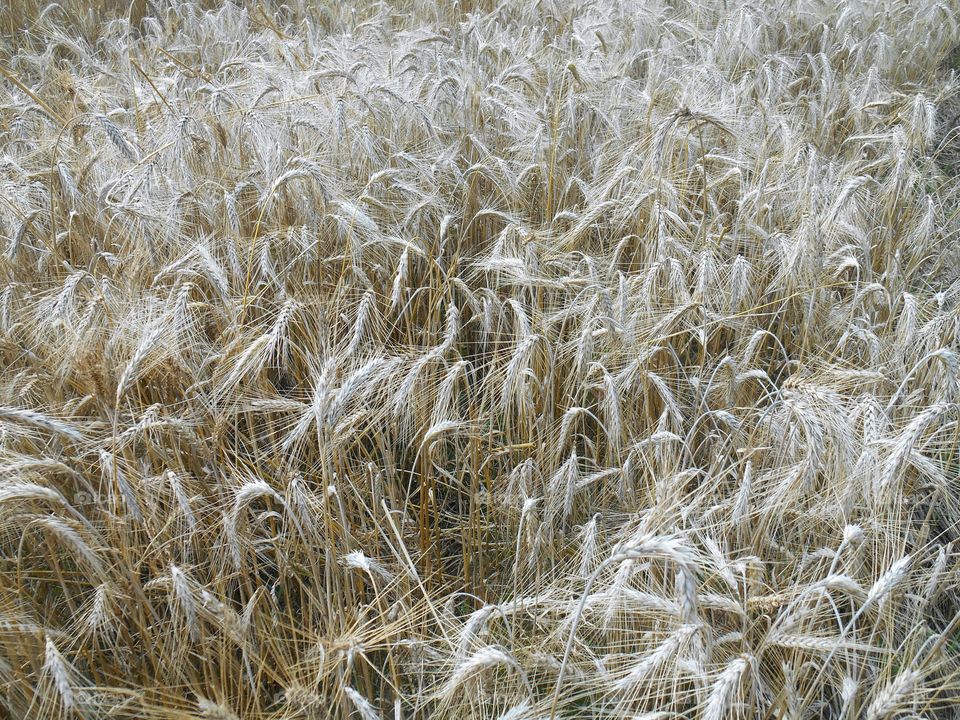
(462, 360)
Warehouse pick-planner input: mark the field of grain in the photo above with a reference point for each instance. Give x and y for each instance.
(464, 360)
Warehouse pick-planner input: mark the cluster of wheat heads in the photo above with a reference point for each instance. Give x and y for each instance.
(532, 360)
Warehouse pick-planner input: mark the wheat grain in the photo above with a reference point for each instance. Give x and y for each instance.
(367, 357)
